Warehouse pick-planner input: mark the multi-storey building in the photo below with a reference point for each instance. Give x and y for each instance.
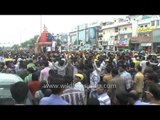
(134, 32)
(145, 26)
(84, 37)
(116, 34)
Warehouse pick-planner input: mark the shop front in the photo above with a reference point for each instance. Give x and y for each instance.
(141, 43)
(146, 46)
(122, 44)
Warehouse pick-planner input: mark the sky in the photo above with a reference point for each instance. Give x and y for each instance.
(15, 29)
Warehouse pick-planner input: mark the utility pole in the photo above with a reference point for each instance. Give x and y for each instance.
(40, 24)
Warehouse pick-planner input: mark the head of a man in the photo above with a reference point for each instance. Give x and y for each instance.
(19, 92)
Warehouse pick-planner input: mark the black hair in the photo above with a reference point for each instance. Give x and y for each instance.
(19, 92)
(103, 84)
(47, 92)
(133, 96)
(143, 58)
(155, 90)
(155, 68)
(7, 63)
(42, 84)
(123, 66)
(139, 68)
(31, 70)
(122, 97)
(35, 76)
(30, 61)
(148, 70)
(132, 64)
(61, 62)
(45, 63)
(51, 72)
(68, 79)
(21, 64)
(108, 69)
(2, 64)
(153, 77)
(114, 71)
(57, 83)
(98, 63)
(148, 64)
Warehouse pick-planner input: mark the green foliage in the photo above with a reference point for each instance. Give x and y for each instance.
(29, 42)
(16, 46)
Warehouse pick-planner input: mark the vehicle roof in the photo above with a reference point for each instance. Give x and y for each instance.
(7, 78)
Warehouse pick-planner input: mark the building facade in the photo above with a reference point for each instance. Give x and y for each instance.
(84, 37)
(116, 34)
(135, 32)
(146, 24)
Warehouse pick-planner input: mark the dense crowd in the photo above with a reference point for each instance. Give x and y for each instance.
(84, 77)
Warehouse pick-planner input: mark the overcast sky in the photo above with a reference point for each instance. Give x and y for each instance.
(19, 28)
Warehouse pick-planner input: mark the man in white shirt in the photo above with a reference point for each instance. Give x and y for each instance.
(143, 64)
(126, 77)
(103, 97)
(78, 85)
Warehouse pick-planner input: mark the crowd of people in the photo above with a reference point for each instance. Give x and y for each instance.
(84, 78)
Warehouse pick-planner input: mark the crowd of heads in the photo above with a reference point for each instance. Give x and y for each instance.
(68, 68)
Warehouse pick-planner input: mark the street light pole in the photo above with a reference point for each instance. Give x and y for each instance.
(40, 24)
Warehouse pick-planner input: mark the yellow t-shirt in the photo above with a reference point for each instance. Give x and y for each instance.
(107, 78)
(139, 82)
(137, 62)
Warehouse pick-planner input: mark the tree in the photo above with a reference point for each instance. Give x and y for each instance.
(15, 46)
(30, 42)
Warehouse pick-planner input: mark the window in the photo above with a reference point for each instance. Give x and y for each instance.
(119, 29)
(146, 25)
(125, 29)
(129, 35)
(104, 24)
(152, 23)
(116, 37)
(116, 29)
(157, 22)
(141, 26)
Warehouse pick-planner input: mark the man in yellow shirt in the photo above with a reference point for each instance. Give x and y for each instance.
(139, 80)
(136, 62)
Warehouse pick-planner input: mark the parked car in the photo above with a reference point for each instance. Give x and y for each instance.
(6, 80)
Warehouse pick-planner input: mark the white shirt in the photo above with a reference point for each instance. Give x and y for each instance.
(79, 86)
(126, 76)
(104, 99)
(44, 74)
(138, 102)
(143, 65)
(94, 79)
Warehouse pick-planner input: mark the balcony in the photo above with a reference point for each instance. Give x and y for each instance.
(124, 32)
